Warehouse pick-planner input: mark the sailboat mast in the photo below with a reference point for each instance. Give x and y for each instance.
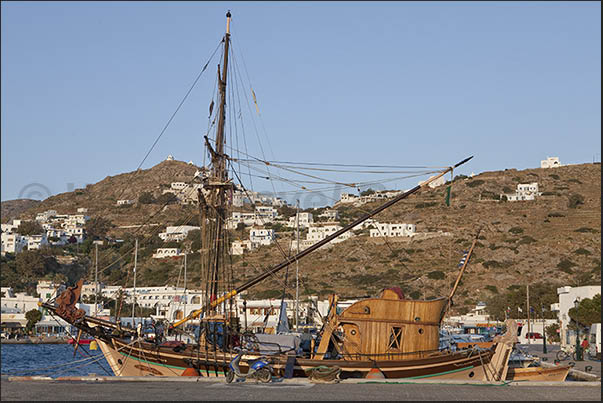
(218, 182)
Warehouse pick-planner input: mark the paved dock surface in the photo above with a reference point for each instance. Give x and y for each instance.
(294, 391)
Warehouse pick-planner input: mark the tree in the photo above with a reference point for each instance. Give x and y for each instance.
(367, 192)
(30, 228)
(588, 311)
(146, 198)
(31, 263)
(32, 317)
(167, 198)
(97, 227)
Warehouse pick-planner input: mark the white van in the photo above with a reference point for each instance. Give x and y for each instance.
(594, 341)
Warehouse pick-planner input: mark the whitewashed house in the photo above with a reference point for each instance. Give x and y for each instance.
(317, 233)
(12, 243)
(176, 233)
(438, 182)
(305, 220)
(162, 253)
(525, 191)
(125, 202)
(329, 215)
(550, 162)
(46, 215)
(262, 236)
(239, 247)
(36, 241)
(393, 230)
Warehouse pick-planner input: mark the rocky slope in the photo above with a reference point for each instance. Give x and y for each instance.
(555, 238)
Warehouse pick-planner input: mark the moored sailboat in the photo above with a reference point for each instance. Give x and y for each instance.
(397, 335)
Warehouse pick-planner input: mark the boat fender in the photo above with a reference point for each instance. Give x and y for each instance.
(571, 364)
(588, 368)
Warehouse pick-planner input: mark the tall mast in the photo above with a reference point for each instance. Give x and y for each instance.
(95, 279)
(218, 184)
(134, 287)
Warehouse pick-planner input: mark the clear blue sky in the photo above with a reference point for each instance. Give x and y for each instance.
(87, 87)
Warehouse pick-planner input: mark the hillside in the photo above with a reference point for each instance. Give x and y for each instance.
(554, 239)
(13, 208)
(521, 242)
(100, 198)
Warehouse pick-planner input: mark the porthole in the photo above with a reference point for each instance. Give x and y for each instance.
(471, 374)
(417, 319)
(120, 361)
(367, 310)
(353, 332)
(420, 330)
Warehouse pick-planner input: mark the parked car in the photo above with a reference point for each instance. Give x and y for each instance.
(533, 336)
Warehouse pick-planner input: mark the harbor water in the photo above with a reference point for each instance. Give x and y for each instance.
(52, 360)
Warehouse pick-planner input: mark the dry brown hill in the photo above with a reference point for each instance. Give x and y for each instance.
(100, 198)
(13, 208)
(555, 238)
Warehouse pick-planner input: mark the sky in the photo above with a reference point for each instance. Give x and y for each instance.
(86, 87)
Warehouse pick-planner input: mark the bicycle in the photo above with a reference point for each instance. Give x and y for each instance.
(566, 352)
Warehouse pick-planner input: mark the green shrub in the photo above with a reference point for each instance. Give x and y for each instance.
(425, 204)
(507, 189)
(516, 230)
(575, 200)
(582, 251)
(474, 183)
(352, 259)
(492, 264)
(526, 240)
(492, 288)
(436, 275)
(566, 265)
(586, 229)
(572, 180)
(415, 295)
(556, 214)
(554, 176)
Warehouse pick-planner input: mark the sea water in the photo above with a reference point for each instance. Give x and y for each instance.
(52, 360)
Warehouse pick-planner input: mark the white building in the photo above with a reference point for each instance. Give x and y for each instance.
(317, 233)
(568, 296)
(47, 289)
(550, 162)
(393, 230)
(162, 253)
(12, 243)
(36, 241)
(46, 215)
(125, 202)
(82, 210)
(305, 220)
(525, 191)
(239, 247)
(330, 215)
(262, 236)
(176, 233)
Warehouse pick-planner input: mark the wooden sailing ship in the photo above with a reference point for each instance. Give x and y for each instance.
(399, 336)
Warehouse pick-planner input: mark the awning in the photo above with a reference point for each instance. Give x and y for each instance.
(51, 323)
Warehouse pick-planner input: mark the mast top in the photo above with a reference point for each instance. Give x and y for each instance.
(228, 15)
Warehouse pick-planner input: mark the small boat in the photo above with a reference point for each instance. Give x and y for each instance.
(81, 341)
(552, 374)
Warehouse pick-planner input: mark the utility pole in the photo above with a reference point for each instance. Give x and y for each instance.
(297, 270)
(95, 279)
(134, 288)
(528, 306)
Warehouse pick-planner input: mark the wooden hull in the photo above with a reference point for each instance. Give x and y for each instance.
(555, 374)
(470, 344)
(146, 359)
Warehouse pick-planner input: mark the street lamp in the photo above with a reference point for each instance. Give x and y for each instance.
(543, 333)
(578, 352)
